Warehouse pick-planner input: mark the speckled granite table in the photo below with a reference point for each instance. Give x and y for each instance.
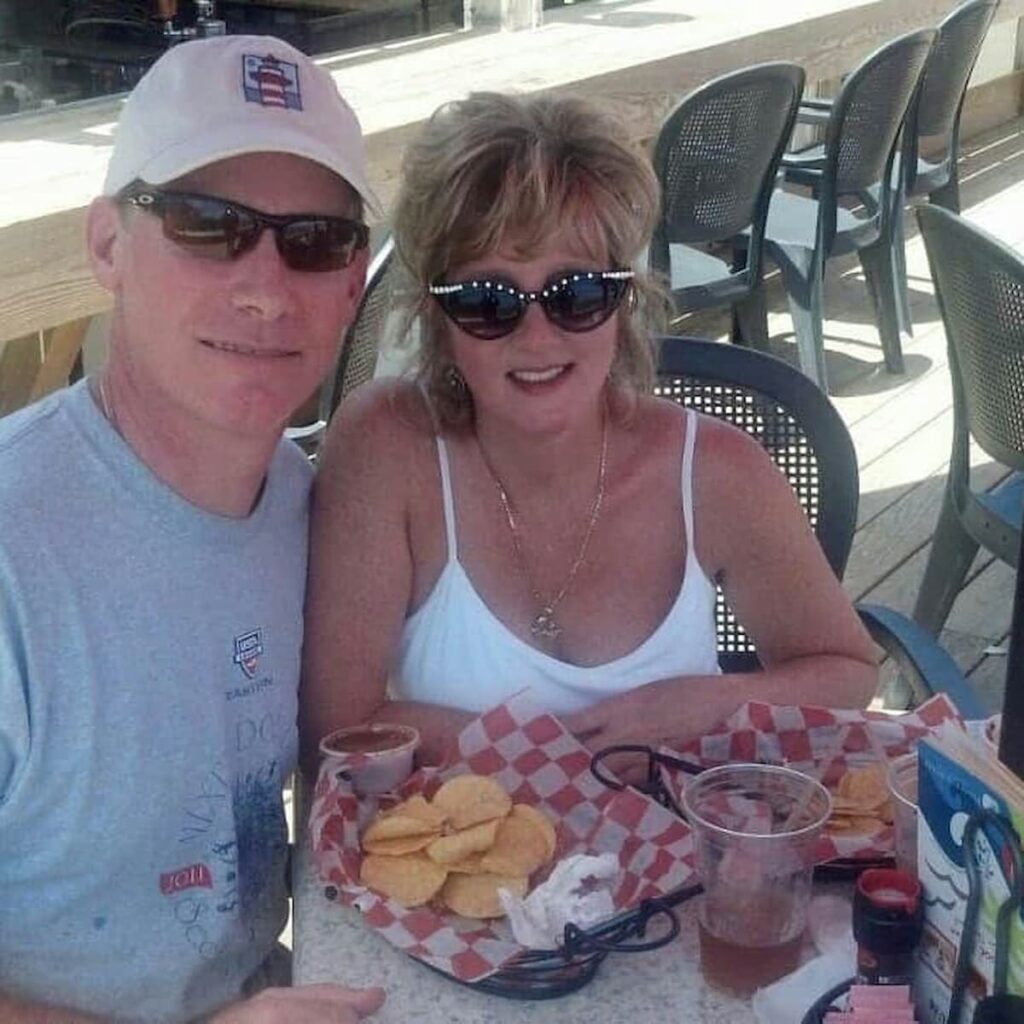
(331, 943)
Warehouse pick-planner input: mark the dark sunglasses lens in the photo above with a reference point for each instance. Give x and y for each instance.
(584, 304)
(318, 243)
(483, 311)
(207, 227)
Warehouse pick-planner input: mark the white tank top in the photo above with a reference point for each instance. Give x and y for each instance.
(454, 650)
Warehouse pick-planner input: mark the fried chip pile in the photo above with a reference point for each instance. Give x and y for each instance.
(861, 804)
(461, 847)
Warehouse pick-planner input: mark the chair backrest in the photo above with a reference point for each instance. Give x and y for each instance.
(861, 135)
(717, 154)
(934, 113)
(1011, 739)
(357, 358)
(799, 428)
(979, 284)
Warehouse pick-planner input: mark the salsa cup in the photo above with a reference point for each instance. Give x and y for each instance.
(376, 758)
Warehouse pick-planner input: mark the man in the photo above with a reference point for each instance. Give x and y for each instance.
(153, 558)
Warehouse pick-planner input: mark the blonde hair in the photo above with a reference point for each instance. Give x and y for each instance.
(496, 170)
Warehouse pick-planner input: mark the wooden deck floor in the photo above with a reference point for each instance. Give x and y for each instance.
(902, 426)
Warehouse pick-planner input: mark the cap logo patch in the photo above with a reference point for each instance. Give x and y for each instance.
(271, 82)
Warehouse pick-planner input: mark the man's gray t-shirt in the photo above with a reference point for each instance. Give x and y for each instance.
(149, 661)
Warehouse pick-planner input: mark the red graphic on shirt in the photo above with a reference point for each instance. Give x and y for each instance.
(196, 876)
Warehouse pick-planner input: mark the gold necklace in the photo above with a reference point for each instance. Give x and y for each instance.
(544, 626)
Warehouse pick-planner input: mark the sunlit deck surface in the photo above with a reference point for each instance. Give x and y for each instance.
(902, 426)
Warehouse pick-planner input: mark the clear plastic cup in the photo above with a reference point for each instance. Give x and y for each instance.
(903, 788)
(757, 829)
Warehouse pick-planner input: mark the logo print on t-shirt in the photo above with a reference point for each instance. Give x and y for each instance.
(248, 651)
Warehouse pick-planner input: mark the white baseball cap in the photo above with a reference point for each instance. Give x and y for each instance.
(209, 99)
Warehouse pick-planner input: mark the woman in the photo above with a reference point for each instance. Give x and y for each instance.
(525, 514)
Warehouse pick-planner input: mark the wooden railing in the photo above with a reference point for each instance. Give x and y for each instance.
(636, 55)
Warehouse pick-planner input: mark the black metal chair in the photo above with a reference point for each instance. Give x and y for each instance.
(357, 359)
(805, 436)
(359, 349)
(979, 284)
(716, 157)
(855, 163)
(933, 124)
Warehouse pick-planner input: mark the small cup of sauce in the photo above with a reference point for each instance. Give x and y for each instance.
(376, 758)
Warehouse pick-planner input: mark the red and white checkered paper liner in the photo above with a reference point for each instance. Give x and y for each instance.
(538, 762)
(824, 743)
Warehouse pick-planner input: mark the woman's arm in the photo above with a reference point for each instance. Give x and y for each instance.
(361, 570)
(751, 534)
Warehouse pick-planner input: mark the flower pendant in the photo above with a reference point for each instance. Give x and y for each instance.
(544, 625)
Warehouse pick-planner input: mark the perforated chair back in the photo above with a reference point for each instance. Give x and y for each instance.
(869, 112)
(862, 131)
(357, 360)
(979, 284)
(717, 154)
(934, 114)
(797, 425)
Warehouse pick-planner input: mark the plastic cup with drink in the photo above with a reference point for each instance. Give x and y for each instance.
(756, 828)
(903, 790)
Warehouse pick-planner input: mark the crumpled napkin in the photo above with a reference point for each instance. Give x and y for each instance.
(578, 891)
(830, 922)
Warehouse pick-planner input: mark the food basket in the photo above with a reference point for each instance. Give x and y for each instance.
(537, 762)
(822, 742)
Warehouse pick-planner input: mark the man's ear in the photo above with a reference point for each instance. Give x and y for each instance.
(103, 228)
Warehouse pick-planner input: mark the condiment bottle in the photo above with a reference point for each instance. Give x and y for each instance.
(887, 921)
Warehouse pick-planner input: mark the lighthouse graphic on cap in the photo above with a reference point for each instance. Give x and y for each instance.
(271, 82)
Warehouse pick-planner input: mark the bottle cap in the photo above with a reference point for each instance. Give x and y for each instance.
(887, 911)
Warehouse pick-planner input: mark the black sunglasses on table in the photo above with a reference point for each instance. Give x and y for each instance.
(573, 300)
(221, 229)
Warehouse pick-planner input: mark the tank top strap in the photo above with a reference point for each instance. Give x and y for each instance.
(448, 500)
(686, 483)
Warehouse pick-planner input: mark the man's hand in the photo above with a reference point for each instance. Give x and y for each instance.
(307, 1004)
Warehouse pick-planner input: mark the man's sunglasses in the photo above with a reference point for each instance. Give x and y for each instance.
(220, 229)
(573, 300)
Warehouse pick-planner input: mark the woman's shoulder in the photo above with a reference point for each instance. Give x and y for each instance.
(384, 427)
(660, 418)
(726, 457)
(387, 410)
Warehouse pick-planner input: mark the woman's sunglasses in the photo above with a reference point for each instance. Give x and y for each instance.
(574, 300)
(220, 229)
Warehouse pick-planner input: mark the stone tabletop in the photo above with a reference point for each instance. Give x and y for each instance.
(331, 943)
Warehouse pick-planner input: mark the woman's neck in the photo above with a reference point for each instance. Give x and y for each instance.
(526, 463)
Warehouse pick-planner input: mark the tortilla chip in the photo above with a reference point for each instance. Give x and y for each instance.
(469, 866)
(398, 846)
(470, 799)
(520, 847)
(419, 808)
(540, 819)
(397, 826)
(411, 880)
(477, 895)
(458, 846)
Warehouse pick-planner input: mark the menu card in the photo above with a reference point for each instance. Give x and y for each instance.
(959, 774)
